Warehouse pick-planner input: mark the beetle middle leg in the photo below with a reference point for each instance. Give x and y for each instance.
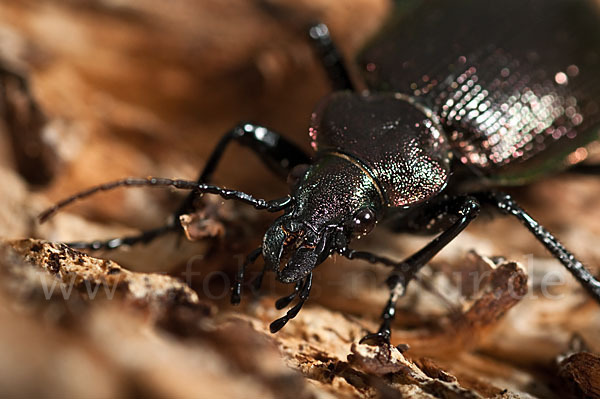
(330, 57)
(318, 33)
(465, 209)
(279, 154)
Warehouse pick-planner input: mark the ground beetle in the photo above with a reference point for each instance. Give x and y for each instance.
(463, 97)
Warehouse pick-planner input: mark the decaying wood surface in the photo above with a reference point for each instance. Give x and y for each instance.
(102, 89)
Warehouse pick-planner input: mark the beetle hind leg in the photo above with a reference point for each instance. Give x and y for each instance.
(325, 48)
(507, 205)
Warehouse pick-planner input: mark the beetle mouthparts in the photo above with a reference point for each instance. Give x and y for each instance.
(302, 262)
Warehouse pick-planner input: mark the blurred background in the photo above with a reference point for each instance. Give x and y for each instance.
(96, 90)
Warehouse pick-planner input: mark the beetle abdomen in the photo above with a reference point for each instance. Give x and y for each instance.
(516, 83)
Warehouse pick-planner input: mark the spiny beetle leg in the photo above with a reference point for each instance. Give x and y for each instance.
(465, 209)
(275, 151)
(507, 205)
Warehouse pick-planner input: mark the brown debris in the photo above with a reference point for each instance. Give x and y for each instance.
(86, 274)
(388, 360)
(207, 222)
(309, 344)
(581, 373)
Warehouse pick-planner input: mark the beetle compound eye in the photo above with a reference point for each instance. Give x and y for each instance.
(363, 222)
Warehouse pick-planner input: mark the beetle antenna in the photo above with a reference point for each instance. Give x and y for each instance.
(271, 206)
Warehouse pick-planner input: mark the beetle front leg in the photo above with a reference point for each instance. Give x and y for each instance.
(276, 152)
(507, 205)
(465, 209)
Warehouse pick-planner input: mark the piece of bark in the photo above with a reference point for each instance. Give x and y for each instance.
(173, 307)
(92, 277)
(388, 360)
(581, 374)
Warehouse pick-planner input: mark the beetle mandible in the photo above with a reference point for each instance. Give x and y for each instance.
(463, 97)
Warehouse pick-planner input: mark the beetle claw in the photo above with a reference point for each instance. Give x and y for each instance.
(236, 294)
(376, 339)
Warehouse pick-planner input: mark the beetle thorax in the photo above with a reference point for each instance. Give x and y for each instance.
(335, 200)
(399, 141)
(333, 190)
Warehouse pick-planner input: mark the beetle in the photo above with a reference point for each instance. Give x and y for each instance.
(463, 98)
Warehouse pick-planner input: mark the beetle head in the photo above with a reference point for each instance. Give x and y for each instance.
(335, 200)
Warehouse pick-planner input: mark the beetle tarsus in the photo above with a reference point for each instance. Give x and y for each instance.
(465, 208)
(380, 338)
